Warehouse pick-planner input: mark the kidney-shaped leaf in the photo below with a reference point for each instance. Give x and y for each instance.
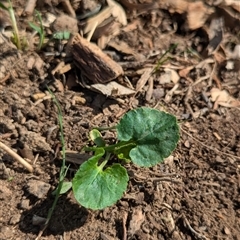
(97, 188)
(154, 132)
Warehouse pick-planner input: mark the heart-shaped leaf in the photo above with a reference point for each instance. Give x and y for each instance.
(97, 188)
(154, 132)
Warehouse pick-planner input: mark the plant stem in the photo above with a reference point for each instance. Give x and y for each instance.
(63, 170)
(161, 60)
(41, 33)
(14, 25)
(105, 160)
(110, 148)
(42, 37)
(105, 128)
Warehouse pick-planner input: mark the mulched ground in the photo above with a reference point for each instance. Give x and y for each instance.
(194, 194)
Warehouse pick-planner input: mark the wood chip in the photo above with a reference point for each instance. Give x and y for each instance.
(112, 89)
(222, 98)
(118, 12)
(125, 48)
(144, 78)
(93, 62)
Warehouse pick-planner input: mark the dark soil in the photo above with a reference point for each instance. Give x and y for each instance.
(194, 194)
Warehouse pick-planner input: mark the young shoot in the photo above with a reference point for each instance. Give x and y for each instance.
(16, 37)
(145, 137)
(39, 29)
(163, 58)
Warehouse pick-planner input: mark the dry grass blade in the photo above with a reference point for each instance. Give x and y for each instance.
(16, 157)
(118, 12)
(99, 18)
(144, 78)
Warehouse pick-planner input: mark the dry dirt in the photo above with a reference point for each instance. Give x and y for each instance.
(194, 194)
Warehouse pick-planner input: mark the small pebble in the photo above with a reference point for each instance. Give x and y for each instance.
(15, 219)
(37, 221)
(38, 188)
(25, 204)
(227, 231)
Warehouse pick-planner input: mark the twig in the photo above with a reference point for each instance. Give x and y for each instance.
(170, 93)
(198, 235)
(16, 157)
(200, 80)
(187, 96)
(5, 78)
(167, 179)
(35, 159)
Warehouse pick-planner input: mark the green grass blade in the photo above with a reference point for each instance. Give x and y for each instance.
(3, 7)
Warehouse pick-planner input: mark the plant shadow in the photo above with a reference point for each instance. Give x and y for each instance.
(67, 216)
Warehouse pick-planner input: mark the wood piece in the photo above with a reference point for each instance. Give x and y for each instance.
(16, 157)
(68, 7)
(93, 63)
(30, 6)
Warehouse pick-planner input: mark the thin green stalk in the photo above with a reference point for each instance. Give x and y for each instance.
(41, 30)
(105, 161)
(14, 25)
(10, 10)
(161, 60)
(111, 148)
(63, 170)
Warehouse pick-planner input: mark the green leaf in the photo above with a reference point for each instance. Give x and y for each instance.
(97, 188)
(39, 29)
(35, 27)
(66, 186)
(62, 35)
(154, 132)
(3, 7)
(66, 35)
(96, 137)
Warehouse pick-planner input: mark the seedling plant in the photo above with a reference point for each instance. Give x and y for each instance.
(145, 136)
(163, 58)
(39, 29)
(16, 37)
